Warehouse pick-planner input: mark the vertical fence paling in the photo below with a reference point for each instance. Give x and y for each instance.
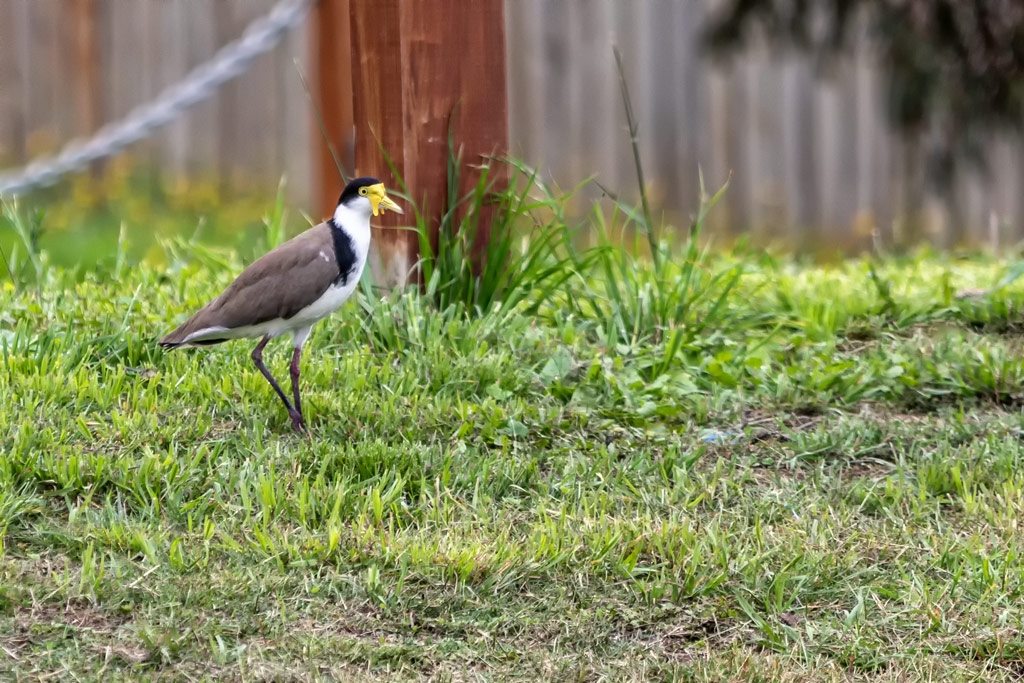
(12, 134)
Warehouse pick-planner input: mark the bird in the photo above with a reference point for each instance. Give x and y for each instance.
(292, 287)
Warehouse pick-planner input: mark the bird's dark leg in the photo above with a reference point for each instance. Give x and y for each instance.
(296, 354)
(257, 358)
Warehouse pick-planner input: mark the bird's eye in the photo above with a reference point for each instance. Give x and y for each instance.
(362, 191)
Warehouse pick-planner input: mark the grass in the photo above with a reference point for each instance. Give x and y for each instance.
(794, 473)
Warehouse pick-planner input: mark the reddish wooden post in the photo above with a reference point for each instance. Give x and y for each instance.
(413, 62)
(332, 84)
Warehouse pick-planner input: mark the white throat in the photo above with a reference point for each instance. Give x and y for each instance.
(355, 220)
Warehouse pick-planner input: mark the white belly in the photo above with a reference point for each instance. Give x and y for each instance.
(328, 302)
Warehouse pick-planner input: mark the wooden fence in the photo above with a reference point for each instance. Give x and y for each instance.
(811, 158)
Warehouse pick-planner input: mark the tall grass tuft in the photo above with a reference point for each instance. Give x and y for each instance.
(502, 245)
(26, 252)
(522, 267)
(667, 302)
(671, 300)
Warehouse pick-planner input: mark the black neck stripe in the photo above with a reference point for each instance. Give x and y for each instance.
(344, 253)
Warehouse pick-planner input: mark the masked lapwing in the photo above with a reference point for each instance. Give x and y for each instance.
(290, 288)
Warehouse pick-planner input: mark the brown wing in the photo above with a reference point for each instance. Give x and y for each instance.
(277, 285)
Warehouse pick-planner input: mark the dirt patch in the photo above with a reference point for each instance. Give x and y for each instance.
(78, 620)
(865, 469)
(122, 653)
(79, 614)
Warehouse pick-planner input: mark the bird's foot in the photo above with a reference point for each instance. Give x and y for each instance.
(298, 424)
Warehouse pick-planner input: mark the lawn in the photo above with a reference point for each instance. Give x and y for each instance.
(727, 466)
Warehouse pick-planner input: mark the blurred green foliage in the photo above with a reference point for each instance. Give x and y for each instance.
(81, 220)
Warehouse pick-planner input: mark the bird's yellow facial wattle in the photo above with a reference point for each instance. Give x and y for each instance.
(379, 199)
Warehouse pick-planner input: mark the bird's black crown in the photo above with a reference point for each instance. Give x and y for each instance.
(351, 190)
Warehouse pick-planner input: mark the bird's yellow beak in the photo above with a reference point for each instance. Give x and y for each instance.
(379, 199)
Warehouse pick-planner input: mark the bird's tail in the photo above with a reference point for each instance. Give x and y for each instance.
(183, 338)
(176, 337)
(184, 335)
